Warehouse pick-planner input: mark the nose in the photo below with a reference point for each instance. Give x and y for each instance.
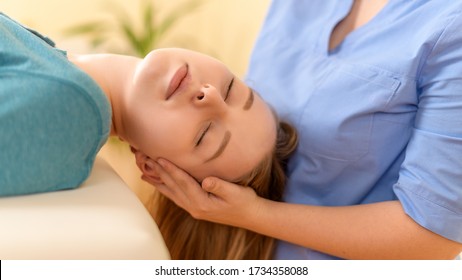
(210, 97)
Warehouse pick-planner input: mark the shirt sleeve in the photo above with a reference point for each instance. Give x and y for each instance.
(430, 181)
(49, 134)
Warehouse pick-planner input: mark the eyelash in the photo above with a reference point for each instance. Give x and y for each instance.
(203, 134)
(229, 89)
(210, 124)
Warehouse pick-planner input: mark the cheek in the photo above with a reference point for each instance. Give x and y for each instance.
(168, 141)
(162, 141)
(193, 167)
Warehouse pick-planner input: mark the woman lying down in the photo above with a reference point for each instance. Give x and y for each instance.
(58, 109)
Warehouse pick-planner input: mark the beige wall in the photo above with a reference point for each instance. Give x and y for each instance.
(225, 29)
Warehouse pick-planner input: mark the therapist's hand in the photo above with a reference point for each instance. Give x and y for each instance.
(215, 200)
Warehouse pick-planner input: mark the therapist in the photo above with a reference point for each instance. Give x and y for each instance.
(375, 90)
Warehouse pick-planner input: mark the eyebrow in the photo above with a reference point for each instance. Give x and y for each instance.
(222, 147)
(249, 102)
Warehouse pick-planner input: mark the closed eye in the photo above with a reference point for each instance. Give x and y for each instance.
(229, 89)
(202, 135)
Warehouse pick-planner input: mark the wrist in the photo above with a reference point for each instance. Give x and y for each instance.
(256, 212)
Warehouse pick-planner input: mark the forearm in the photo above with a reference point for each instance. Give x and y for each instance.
(370, 231)
(373, 231)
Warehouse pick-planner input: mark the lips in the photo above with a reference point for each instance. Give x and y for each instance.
(178, 81)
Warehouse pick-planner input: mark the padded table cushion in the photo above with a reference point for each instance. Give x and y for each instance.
(102, 219)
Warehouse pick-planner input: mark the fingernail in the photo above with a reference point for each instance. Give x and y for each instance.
(207, 183)
(150, 165)
(162, 162)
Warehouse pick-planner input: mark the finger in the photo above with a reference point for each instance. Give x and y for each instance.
(165, 190)
(174, 176)
(219, 188)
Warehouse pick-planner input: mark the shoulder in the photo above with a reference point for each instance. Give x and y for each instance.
(51, 132)
(444, 59)
(53, 117)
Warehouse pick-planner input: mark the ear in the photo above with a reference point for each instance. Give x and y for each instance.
(146, 165)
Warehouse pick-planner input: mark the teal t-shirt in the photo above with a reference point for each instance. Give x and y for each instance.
(53, 117)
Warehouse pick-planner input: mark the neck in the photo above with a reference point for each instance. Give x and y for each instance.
(113, 73)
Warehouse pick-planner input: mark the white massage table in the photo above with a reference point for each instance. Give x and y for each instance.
(102, 219)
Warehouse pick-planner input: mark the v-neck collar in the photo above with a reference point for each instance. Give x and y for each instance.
(338, 13)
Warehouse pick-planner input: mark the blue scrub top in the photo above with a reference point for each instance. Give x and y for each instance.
(379, 116)
(53, 117)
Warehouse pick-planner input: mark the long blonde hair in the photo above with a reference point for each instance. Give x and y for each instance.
(191, 239)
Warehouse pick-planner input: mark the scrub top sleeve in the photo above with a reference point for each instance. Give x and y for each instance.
(430, 181)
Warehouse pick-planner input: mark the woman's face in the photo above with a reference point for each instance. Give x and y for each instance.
(190, 109)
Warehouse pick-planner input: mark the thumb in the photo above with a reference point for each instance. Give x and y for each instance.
(216, 186)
